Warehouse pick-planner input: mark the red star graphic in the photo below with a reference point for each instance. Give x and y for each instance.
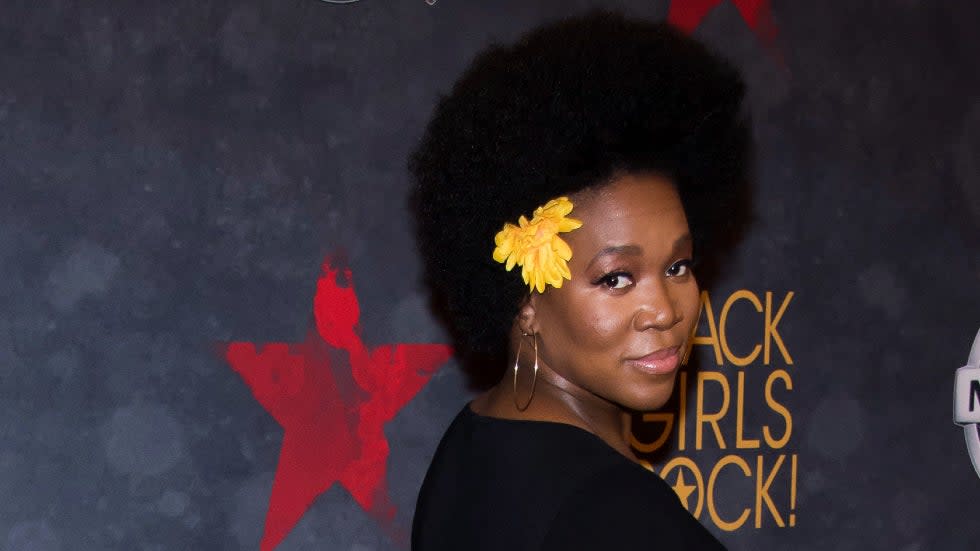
(333, 428)
(688, 14)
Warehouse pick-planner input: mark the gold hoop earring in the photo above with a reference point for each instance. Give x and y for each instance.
(534, 378)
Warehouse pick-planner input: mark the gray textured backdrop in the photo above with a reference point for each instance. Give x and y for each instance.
(173, 174)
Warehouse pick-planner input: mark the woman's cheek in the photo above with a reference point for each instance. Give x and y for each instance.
(604, 322)
(692, 302)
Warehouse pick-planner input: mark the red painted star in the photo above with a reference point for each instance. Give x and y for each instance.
(688, 14)
(332, 432)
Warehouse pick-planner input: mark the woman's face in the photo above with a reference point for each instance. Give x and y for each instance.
(618, 328)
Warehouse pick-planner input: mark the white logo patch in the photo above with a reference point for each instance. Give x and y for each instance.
(966, 395)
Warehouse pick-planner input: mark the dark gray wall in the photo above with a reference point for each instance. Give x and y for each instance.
(173, 174)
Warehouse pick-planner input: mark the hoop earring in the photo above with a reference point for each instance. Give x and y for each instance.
(534, 379)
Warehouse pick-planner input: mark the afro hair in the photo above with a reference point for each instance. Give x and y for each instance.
(569, 106)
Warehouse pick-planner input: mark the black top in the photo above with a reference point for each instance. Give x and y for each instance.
(500, 484)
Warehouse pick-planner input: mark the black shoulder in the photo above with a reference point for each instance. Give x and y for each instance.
(626, 507)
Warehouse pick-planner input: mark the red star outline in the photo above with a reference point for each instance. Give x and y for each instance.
(686, 15)
(332, 427)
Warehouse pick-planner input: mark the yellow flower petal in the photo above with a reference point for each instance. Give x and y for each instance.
(569, 224)
(500, 254)
(561, 248)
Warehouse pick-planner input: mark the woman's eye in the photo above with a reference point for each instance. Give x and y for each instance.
(617, 280)
(679, 268)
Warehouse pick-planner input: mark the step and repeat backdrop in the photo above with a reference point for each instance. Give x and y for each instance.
(213, 333)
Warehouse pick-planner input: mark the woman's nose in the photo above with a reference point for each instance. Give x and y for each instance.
(658, 309)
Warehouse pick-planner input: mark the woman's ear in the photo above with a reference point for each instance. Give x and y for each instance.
(527, 315)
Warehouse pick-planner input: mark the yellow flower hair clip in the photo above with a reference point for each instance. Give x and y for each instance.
(535, 246)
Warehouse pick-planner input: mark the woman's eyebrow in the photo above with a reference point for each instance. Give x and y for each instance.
(683, 240)
(636, 250)
(630, 250)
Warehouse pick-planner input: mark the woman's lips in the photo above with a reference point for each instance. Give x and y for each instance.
(661, 362)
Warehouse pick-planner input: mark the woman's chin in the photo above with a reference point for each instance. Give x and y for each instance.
(651, 399)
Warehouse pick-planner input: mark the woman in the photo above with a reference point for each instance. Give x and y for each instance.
(596, 154)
